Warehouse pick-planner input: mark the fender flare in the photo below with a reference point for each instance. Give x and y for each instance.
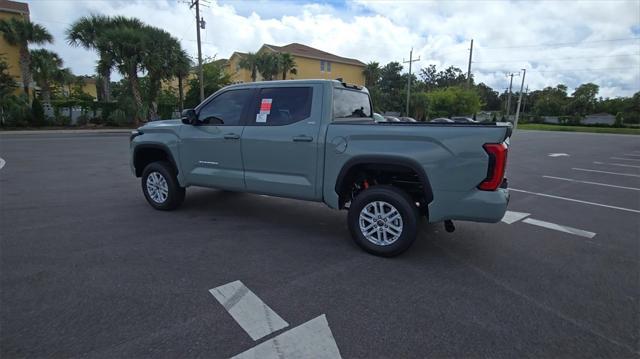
(387, 160)
(155, 146)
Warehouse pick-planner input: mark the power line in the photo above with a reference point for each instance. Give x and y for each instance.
(557, 59)
(562, 44)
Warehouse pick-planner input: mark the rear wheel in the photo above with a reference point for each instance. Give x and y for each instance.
(383, 220)
(160, 186)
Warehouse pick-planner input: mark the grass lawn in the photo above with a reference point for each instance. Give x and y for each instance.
(545, 127)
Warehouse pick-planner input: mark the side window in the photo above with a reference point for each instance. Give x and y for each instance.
(280, 106)
(350, 104)
(226, 109)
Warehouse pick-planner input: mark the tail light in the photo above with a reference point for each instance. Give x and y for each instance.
(497, 162)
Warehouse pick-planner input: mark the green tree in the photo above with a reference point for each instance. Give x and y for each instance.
(249, 62)
(551, 101)
(215, 77)
(23, 33)
(7, 82)
(267, 64)
(584, 99)
(453, 101)
(371, 74)
(391, 85)
(419, 105)
(160, 63)
(286, 64)
(85, 32)
(46, 66)
(489, 97)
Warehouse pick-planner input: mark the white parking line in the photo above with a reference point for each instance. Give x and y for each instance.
(625, 159)
(558, 155)
(251, 313)
(610, 173)
(312, 339)
(615, 164)
(577, 200)
(557, 227)
(594, 183)
(2, 163)
(512, 217)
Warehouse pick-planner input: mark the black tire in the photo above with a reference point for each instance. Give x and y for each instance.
(175, 193)
(405, 207)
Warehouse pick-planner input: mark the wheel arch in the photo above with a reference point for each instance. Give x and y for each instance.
(144, 154)
(352, 166)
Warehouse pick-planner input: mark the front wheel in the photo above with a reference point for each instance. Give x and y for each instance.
(383, 220)
(160, 186)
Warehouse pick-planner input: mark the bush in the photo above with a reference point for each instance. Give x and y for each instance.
(62, 120)
(619, 120)
(82, 120)
(37, 113)
(14, 111)
(118, 118)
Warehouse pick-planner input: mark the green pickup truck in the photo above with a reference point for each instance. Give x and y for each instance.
(317, 140)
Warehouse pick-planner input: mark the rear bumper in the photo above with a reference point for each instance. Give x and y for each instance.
(475, 206)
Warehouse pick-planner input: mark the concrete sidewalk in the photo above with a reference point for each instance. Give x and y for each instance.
(70, 131)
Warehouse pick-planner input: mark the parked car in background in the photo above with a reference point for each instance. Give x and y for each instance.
(407, 119)
(463, 120)
(378, 117)
(392, 119)
(442, 120)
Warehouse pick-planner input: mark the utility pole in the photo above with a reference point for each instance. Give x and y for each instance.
(524, 73)
(469, 68)
(411, 60)
(199, 24)
(509, 97)
(524, 101)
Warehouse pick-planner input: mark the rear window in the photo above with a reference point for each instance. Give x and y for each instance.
(351, 104)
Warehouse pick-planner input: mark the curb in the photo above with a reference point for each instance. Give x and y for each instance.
(39, 132)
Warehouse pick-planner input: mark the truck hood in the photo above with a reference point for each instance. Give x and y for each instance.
(161, 124)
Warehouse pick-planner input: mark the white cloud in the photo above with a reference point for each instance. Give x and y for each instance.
(504, 34)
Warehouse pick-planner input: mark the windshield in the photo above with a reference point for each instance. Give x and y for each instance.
(351, 104)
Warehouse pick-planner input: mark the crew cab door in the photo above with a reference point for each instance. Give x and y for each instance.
(210, 151)
(280, 144)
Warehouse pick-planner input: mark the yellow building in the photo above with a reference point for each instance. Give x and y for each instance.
(10, 53)
(311, 63)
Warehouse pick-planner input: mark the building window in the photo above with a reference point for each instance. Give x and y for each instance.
(328, 66)
(321, 65)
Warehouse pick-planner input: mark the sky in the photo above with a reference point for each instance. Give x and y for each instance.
(568, 42)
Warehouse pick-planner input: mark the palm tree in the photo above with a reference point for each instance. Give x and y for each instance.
(249, 62)
(86, 32)
(267, 65)
(160, 62)
(286, 64)
(372, 73)
(46, 66)
(22, 33)
(181, 67)
(127, 47)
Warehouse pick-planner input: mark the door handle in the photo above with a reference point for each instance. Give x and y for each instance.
(302, 138)
(231, 136)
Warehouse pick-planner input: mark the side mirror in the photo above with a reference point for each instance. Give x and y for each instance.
(189, 117)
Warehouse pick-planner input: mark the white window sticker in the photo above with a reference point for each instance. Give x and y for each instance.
(261, 117)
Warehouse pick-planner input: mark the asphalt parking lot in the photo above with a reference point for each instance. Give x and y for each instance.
(89, 269)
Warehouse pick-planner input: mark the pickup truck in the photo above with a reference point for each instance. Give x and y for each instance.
(316, 140)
